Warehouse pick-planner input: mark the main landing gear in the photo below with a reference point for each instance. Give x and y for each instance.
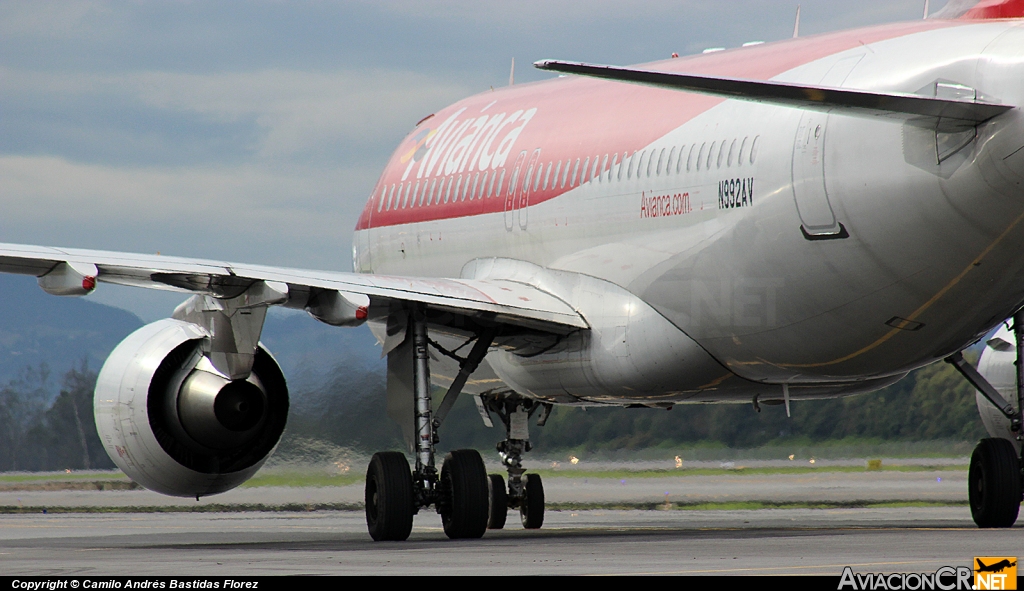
(995, 482)
(467, 498)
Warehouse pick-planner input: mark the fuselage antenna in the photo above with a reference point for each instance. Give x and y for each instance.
(512, 73)
(796, 25)
(925, 9)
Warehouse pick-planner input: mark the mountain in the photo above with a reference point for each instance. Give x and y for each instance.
(37, 328)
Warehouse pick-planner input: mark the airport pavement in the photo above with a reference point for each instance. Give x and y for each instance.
(570, 490)
(761, 542)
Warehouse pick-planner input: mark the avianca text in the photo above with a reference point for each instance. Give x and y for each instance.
(659, 206)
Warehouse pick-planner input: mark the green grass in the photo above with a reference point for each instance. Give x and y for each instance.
(218, 508)
(317, 479)
(62, 476)
(749, 505)
(302, 479)
(307, 507)
(684, 472)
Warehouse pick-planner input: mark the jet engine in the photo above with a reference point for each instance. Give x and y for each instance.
(997, 366)
(175, 424)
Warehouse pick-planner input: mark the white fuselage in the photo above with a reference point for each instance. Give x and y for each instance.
(827, 251)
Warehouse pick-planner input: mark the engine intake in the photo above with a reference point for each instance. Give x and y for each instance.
(176, 425)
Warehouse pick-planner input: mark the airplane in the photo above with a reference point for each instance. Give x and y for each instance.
(996, 567)
(796, 220)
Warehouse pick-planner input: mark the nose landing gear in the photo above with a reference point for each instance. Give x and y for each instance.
(525, 491)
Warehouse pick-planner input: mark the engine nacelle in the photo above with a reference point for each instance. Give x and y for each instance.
(176, 425)
(997, 365)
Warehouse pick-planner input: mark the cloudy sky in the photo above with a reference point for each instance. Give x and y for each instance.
(254, 131)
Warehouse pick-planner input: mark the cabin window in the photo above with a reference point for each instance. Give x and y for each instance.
(514, 180)
(547, 175)
(501, 180)
(615, 172)
(380, 199)
(753, 149)
(595, 173)
(430, 192)
(668, 163)
(415, 192)
(476, 183)
(711, 156)
(584, 177)
(391, 195)
(689, 159)
(732, 151)
(661, 161)
(558, 173)
(458, 189)
(448, 189)
(536, 179)
(465, 190)
(721, 155)
(575, 172)
(743, 150)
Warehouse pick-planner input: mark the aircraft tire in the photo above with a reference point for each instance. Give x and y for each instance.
(994, 483)
(498, 506)
(464, 488)
(531, 509)
(389, 497)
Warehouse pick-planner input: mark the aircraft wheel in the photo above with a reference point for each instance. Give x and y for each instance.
(498, 510)
(464, 492)
(531, 509)
(389, 497)
(994, 483)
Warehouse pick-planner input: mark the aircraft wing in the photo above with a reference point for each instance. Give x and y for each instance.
(863, 102)
(507, 302)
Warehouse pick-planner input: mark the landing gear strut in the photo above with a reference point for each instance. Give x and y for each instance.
(460, 493)
(995, 482)
(525, 491)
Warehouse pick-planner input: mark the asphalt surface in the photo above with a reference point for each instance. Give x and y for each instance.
(762, 542)
(568, 490)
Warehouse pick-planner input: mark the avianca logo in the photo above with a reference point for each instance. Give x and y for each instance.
(461, 145)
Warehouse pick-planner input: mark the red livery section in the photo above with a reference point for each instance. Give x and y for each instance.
(992, 9)
(526, 144)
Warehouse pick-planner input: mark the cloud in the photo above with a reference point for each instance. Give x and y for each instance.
(244, 213)
(304, 112)
(295, 113)
(255, 131)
